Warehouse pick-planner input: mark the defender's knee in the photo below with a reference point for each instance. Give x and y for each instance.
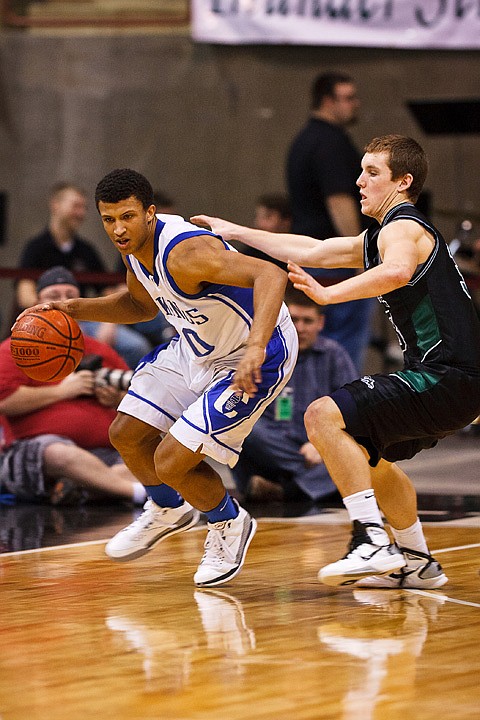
(321, 415)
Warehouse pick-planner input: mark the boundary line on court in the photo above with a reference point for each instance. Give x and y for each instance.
(194, 529)
(440, 596)
(413, 591)
(68, 547)
(457, 547)
(51, 547)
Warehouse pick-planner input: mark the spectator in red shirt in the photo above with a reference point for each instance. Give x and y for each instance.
(60, 429)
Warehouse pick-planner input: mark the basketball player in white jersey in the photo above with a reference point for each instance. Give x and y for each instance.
(200, 394)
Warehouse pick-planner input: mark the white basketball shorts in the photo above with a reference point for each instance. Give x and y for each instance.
(196, 403)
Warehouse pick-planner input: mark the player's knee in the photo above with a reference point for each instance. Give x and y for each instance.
(318, 417)
(124, 436)
(116, 433)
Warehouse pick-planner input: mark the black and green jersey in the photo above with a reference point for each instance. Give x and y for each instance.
(433, 315)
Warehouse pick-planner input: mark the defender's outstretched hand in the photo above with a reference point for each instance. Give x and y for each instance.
(307, 284)
(228, 230)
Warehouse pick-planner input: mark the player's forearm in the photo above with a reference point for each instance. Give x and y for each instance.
(372, 283)
(268, 294)
(283, 246)
(116, 308)
(337, 252)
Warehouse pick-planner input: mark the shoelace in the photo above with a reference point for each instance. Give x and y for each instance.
(216, 548)
(359, 536)
(146, 519)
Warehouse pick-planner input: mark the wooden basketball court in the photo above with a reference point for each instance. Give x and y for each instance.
(84, 637)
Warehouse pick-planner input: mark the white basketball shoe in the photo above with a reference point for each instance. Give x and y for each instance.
(420, 571)
(153, 525)
(225, 549)
(370, 552)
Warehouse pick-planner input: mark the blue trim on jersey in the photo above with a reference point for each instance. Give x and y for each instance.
(158, 229)
(156, 240)
(242, 296)
(192, 425)
(236, 452)
(212, 436)
(142, 267)
(208, 425)
(149, 402)
(169, 248)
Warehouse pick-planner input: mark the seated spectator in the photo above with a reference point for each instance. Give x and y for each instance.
(129, 343)
(59, 243)
(277, 460)
(60, 429)
(273, 214)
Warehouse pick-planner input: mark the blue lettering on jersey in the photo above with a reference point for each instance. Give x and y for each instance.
(192, 315)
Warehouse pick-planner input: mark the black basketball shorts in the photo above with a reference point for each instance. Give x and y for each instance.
(395, 416)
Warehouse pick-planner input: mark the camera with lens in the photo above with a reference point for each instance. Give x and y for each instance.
(105, 376)
(112, 377)
(90, 362)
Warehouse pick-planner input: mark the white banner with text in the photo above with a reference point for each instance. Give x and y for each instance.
(443, 24)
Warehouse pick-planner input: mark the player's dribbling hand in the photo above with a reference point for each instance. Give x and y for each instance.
(40, 307)
(248, 372)
(307, 284)
(226, 229)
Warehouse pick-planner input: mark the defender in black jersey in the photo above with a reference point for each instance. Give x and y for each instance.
(363, 428)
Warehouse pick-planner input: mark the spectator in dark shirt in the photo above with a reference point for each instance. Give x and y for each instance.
(277, 460)
(322, 168)
(59, 243)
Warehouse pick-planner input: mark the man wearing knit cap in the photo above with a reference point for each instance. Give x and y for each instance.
(61, 446)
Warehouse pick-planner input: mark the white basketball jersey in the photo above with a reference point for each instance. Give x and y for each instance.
(212, 323)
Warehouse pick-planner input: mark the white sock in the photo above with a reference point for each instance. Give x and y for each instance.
(363, 506)
(138, 494)
(412, 537)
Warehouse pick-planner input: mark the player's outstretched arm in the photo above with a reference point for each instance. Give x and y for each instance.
(401, 251)
(125, 306)
(305, 251)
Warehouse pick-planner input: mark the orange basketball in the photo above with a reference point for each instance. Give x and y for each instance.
(47, 345)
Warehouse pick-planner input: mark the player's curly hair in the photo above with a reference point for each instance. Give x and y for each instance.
(124, 183)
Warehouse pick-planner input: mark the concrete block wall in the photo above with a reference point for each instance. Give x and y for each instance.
(208, 124)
